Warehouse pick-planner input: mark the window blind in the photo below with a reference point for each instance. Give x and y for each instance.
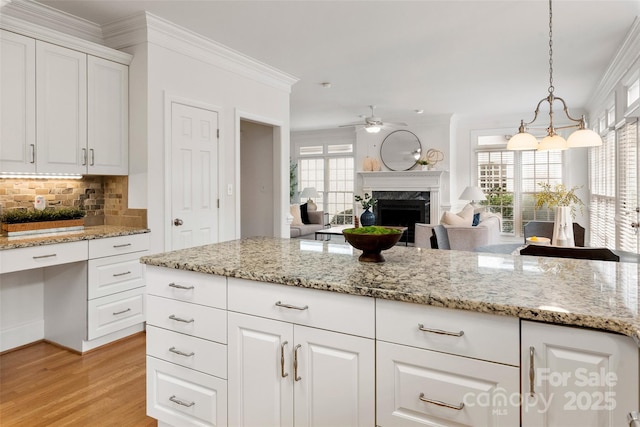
(602, 209)
(628, 186)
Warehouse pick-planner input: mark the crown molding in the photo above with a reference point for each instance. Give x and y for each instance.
(146, 27)
(54, 19)
(623, 60)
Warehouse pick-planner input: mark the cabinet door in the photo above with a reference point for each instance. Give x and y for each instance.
(61, 102)
(260, 374)
(577, 377)
(335, 382)
(17, 103)
(107, 117)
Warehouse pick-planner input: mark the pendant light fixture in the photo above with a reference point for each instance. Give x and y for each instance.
(583, 137)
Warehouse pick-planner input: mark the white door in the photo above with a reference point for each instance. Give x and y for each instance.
(61, 105)
(260, 372)
(335, 385)
(577, 377)
(194, 176)
(17, 103)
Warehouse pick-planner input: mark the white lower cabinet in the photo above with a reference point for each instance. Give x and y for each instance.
(577, 377)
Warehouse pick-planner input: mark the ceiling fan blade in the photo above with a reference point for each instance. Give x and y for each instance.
(395, 124)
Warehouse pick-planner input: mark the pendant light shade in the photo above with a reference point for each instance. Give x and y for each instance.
(552, 143)
(522, 141)
(584, 138)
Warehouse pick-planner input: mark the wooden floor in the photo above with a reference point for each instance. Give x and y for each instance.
(43, 385)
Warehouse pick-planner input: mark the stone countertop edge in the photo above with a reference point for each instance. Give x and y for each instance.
(453, 280)
(88, 233)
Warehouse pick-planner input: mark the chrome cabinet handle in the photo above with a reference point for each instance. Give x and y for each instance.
(178, 222)
(532, 371)
(440, 331)
(443, 404)
(174, 399)
(295, 363)
(174, 285)
(283, 374)
(91, 157)
(44, 256)
(124, 245)
(181, 353)
(294, 307)
(121, 312)
(633, 419)
(121, 274)
(84, 157)
(33, 153)
(180, 319)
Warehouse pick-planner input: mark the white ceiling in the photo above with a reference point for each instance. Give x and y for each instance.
(465, 57)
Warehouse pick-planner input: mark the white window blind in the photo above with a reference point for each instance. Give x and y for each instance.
(496, 179)
(537, 167)
(628, 186)
(602, 212)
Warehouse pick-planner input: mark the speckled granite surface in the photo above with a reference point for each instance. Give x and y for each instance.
(89, 233)
(595, 294)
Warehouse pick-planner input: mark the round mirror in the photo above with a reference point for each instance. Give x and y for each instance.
(400, 150)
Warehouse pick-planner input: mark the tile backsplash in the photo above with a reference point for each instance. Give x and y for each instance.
(103, 197)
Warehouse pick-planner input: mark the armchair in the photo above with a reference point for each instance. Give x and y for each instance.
(462, 238)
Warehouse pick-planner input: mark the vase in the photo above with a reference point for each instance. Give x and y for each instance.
(563, 227)
(367, 218)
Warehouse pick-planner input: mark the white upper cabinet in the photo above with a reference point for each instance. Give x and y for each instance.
(108, 115)
(17, 103)
(61, 103)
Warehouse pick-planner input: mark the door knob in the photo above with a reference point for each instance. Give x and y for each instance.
(177, 222)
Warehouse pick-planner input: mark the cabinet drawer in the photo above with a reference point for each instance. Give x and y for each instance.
(485, 336)
(414, 384)
(114, 274)
(191, 352)
(198, 288)
(42, 256)
(114, 312)
(109, 246)
(349, 314)
(183, 397)
(191, 319)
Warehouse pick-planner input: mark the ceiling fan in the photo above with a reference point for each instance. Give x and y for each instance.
(373, 124)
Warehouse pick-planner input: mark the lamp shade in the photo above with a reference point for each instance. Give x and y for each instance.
(584, 138)
(472, 193)
(555, 142)
(309, 192)
(522, 141)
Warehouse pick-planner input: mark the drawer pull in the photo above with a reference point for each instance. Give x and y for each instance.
(121, 312)
(440, 331)
(174, 285)
(283, 374)
(532, 371)
(124, 245)
(121, 274)
(180, 319)
(294, 307)
(174, 399)
(44, 256)
(295, 363)
(181, 353)
(443, 404)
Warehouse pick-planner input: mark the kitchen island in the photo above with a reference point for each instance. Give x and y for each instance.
(494, 297)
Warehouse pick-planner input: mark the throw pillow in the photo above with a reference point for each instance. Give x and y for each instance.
(295, 212)
(303, 214)
(311, 206)
(476, 219)
(461, 219)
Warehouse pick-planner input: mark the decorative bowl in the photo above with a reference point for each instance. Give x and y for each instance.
(371, 244)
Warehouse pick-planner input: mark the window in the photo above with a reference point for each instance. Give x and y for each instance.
(496, 179)
(602, 210)
(329, 168)
(628, 186)
(633, 92)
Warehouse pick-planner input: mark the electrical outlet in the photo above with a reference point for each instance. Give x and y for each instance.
(229, 190)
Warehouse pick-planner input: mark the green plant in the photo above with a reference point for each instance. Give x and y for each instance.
(293, 180)
(558, 195)
(367, 201)
(18, 216)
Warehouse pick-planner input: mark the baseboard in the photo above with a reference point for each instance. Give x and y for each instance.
(21, 335)
(123, 333)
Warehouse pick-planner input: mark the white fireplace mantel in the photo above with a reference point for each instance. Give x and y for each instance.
(430, 181)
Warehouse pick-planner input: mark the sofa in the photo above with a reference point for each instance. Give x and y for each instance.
(316, 222)
(463, 237)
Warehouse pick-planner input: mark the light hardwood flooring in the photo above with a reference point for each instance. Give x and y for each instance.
(43, 385)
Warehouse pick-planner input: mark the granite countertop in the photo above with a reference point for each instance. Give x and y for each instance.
(89, 233)
(595, 294)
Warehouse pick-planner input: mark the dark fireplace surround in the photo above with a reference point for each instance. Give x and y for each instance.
(403, 208)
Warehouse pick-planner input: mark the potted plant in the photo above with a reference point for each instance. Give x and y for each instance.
(31, 221)
(564, 201)
(368, 202)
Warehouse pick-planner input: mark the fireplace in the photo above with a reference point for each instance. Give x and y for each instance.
(403, 208)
